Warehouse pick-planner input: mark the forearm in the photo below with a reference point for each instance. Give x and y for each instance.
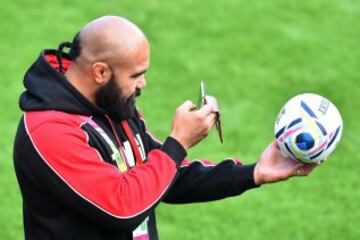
(201, 182)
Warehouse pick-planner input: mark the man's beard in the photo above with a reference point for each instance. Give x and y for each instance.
(110, 97)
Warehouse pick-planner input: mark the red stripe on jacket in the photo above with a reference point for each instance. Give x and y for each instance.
(63, 146)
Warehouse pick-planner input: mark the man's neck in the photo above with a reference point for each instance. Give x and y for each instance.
(81, 82)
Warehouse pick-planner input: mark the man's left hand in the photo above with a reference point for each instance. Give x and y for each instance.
(273, 167)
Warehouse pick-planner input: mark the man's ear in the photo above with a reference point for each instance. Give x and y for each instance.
(101, 73)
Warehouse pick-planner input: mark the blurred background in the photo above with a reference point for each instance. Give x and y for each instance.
(254, 56)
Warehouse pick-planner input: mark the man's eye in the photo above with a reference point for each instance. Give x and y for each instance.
(139, 76)
(136, 75)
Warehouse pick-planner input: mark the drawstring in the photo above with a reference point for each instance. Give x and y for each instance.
(121, 147)
(131, 138)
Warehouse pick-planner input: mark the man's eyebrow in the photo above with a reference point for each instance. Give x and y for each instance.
(138, 73)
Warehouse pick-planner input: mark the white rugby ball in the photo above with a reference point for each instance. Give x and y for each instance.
(308, 128)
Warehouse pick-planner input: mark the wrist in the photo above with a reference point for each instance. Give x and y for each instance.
(180, 140)
(258, 180)
(174, 149)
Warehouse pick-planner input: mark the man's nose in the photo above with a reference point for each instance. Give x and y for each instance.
(141, 83)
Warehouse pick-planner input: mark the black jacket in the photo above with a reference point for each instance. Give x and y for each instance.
(84, 176)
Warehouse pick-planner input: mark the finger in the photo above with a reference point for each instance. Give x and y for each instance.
(307, 168)
(322, 161)
(298, 169)
(210, 100)
(210, 120)
(205, 110)
(187, 106)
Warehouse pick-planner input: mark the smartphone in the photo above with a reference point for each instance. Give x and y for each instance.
(204, 99)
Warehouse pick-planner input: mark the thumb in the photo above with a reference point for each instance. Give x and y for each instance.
(187, 106)
(274, 145)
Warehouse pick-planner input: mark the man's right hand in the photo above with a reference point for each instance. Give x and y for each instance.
(189, 127)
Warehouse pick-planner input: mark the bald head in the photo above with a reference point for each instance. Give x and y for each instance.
(109, 39)
(109, 49)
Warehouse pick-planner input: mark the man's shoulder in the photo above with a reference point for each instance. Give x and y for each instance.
(35, 119)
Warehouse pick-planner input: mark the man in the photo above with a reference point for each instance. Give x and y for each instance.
(87, 166)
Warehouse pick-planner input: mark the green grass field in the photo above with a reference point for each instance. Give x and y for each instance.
(253, 55)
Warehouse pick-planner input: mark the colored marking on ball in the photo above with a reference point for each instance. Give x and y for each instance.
(315, 156)
(291, 132)
(320, 148)
(293, 123)
(321, 128)
(304, 141)
(308, 109)
(281, 131)
(334, 137)
(289, 150)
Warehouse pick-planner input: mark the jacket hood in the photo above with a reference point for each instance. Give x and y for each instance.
(48, 89)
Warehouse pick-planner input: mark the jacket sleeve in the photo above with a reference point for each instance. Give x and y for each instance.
(59, 159)
(201, 180)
